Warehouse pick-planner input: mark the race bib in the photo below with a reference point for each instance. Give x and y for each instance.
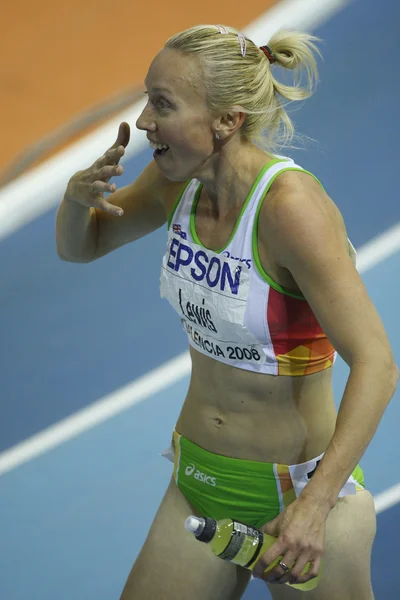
(209, 291)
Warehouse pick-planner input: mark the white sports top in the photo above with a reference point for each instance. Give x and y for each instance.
(229, 307)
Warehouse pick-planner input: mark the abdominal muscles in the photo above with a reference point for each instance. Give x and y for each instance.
(242, 414)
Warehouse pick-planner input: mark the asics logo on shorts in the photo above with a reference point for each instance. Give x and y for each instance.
(203, 477)
(189, 469)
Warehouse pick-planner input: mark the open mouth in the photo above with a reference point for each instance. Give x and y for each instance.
(161, 152)
(159, 149)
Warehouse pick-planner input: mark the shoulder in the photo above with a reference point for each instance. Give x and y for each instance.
(307, 238)
(298, 215)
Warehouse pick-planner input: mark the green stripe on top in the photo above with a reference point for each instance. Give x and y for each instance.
(248, 198)
(276, 286)
(176, 204)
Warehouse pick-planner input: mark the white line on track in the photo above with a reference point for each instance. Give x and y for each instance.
(379, 248)
(387, 499)
(103, 409)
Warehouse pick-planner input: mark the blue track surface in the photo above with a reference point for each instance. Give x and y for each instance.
(73, 520)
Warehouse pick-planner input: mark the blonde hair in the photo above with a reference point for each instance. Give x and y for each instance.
(247, 81)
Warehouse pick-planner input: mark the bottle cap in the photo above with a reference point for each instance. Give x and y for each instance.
(194, 524)
(203, 528)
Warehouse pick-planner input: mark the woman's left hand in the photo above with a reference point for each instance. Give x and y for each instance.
(300, 533)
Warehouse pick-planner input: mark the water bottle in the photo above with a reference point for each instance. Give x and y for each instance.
(240, 544)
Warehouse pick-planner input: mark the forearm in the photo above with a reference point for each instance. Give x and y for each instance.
(368, 391)
(76, 232)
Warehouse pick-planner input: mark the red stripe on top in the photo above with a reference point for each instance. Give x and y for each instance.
(300, 345)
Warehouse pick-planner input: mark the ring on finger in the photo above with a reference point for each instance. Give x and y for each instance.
(283, 566)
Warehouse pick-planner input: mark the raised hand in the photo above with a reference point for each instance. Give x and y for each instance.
(87, 187)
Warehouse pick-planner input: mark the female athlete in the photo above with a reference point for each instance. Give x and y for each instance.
(262, 275)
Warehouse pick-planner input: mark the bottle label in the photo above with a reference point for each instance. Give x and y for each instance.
(244, 545)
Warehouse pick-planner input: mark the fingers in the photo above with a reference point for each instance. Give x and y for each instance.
(273, 527)
(105, 206)
(288, 568)
(310, 570)
(98, 188)
(95, 182)
(114, 154)
(267, 562)
(123, 137)
(283, 570)
(111, 157)
(125, 134)
(286, 562)
(105, 172)
(98, 178)
(101, 187)
(112, 210)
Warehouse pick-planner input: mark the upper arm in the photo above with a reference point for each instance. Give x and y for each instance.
(308, 237)
(146, 203)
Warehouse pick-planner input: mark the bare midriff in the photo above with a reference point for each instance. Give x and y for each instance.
(237, 413)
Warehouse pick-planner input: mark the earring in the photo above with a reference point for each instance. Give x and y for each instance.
(217, 135)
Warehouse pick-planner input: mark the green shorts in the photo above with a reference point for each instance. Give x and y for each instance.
(248, 491)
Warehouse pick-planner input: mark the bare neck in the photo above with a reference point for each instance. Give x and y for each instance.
(230, 175)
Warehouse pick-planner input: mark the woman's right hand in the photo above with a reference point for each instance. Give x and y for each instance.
(87, 187)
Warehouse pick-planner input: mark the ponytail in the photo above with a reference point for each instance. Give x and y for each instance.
(241, 74)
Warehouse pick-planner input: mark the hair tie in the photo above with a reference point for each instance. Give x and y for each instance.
(268, 53)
